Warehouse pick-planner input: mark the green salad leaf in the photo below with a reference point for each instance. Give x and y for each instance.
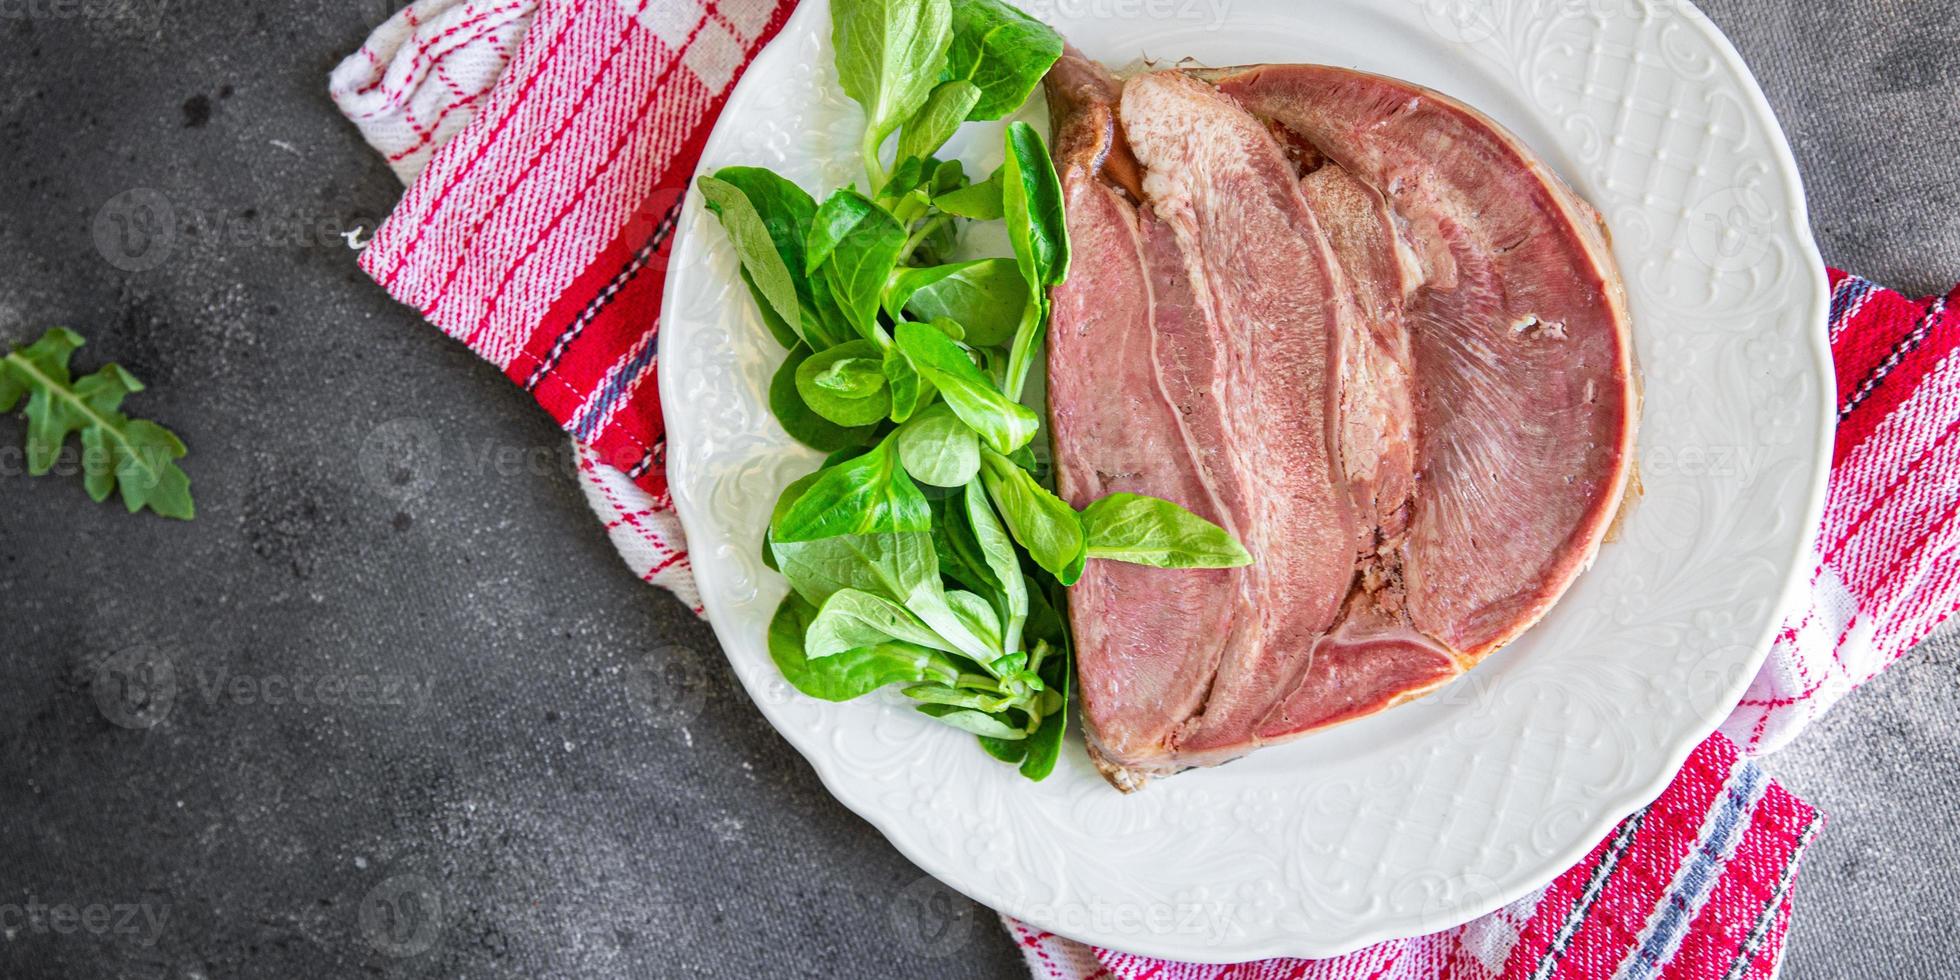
(850, 619)
(944, 110)
(768, 273)
(136, 456)
(803, 423)
(1031, 195)
(927, 552)
(846, 384)
(889, 57)
(1042, 522)
(986, 297)
(1005, 424)
(939, 449)
(1148, 531)
(985, 545)
(981, 201)
(1002, 51)
(851, 673)
(866, 494)
(854, 243)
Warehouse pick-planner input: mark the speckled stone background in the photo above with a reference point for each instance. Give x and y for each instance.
(408, 715)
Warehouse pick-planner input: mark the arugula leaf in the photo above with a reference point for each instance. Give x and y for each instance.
(1042, 522)
(1148, 531)
(851, 673)
(986, 297)
(865, 495)
(855, 243)
(937, 120)
(846, 384)
(802, 422)
(889, 56)
(1006, 425)
(135, 455)
(981, 201)
(1003, 51)
(850, 619)
(938, 449)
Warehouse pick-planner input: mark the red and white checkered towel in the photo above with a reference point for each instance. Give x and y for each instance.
(548, 144)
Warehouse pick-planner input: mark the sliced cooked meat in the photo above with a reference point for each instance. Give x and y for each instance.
(1269, 290)
(1521, 343)
(1341, 369)
(1148, 645)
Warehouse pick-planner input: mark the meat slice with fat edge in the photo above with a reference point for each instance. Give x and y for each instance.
(1403, 382)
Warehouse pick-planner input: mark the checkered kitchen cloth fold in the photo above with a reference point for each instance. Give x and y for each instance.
(547, 145)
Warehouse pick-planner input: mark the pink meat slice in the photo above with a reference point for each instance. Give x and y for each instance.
(1317, 368)
(1270, 292)
(1124, 336)
(1521, 342)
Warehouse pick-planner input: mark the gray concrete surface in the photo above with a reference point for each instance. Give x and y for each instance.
(420, 722)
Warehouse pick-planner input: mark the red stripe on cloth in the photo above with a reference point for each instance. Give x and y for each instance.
(1561, 896)
(636, 427)
(425, 206)
(425, 136)
(482, 18)
(1869, 336)
(1667, 836)
(670, 89)
(1877, 336)
(1753, 886)
(1710, 762)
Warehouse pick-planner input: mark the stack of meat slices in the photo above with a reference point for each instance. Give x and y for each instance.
(1363, 328)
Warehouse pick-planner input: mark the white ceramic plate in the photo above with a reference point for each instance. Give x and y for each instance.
(1430, 814)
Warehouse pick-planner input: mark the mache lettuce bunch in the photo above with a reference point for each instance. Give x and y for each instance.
(927, 552)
